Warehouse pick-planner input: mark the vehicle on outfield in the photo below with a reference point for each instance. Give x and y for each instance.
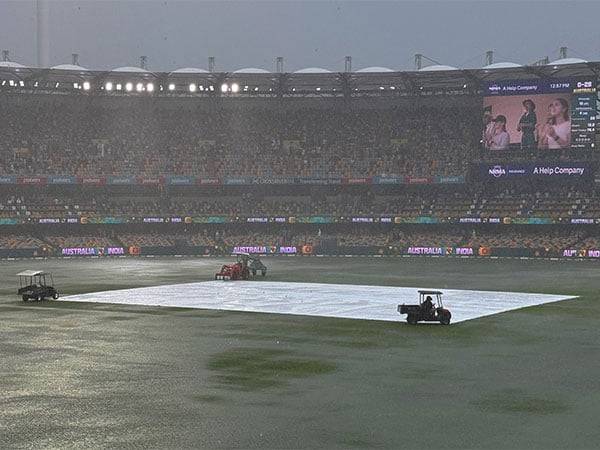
(429, 309)
(33, 285)
(245, 265)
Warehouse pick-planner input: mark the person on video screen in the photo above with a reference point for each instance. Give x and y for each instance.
(556, 132)
(488, 126)
(527, 125)
(501, 139)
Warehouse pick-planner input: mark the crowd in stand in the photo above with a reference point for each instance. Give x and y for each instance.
(563, 203)
(83, 137)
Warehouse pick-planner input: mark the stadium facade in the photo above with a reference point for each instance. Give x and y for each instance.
(377, 162)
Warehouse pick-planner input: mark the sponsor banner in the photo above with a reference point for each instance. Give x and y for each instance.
(464, 251)
(8, 179)
(103, 220)
(582, 220)
(537, 86)
(529, 221)
(80, 251)
(280, 219)
(322, 181)
(7, 221)
(150, 181)
(61, 179)
(470, 220)
(176, 219)
(419, 180)
(450, 179)
(236, 180)
(179, 180)
(388, 180)
(442, 251)
(426, 219)
(574, 253)
(386, 220)
(275, 180)
(251, 249)
(92, 251)
(593, 253)
(547, 171)
(210, 219)
(154, 220)
(93, 180)
(312, 219)
(210, 181)
(425, 251)
(50, 220)
(362, 219)
(257, 219)
(32, 180)
(121, 180)
(366, 180)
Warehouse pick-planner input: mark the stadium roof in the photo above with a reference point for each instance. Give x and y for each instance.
(190, 70)
(251, 70)
(306, 82)
(313, 70)
(11, 64)
(437, 68)
(374, 69)
(564, 61)
(502, 65)
(70, 67)
(129, 69)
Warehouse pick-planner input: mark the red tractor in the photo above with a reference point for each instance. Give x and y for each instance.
(236, 271)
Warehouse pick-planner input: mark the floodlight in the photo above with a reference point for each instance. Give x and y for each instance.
(139, 87)
(129, 87)
(235, 87)
(150, 87)
(171, 86)
(108, 86)
(86, 85)
(224, 87)
(192, 87)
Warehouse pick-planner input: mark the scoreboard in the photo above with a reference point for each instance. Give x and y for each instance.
(583, 114)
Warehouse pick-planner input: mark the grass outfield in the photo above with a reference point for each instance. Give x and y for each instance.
(90, 375)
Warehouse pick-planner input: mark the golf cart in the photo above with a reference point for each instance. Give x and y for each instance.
(33, 285)
(429, 309)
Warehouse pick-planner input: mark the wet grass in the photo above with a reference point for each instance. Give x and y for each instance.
(511, 401)
(261, 368)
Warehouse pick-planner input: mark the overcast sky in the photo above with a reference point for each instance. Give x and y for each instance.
(173, 34)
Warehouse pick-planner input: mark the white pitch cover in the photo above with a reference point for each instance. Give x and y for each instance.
(314, 299)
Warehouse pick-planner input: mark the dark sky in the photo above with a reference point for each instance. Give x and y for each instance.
(174, 34)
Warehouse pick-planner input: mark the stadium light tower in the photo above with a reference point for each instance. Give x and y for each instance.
(562, 53)
(418, 61)
(43, 44)
(5, 55)
(489, 57)
(211, 64)
(279, 64)
(75, 59)
(348, 64)
(143, 62)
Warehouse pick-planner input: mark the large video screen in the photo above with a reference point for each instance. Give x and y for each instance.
(539, 115)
